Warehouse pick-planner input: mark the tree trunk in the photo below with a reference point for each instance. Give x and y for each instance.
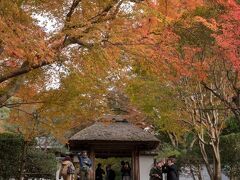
(232, 175)
(199, 172)
(23, 160)
(192, 172)
(217, 161)
(217, 170)
(206, 162)
(173, 140)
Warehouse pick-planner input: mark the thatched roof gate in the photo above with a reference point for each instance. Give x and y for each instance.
(117, 139)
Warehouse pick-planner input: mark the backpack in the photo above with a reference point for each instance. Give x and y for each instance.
(70, 170)
(84, 169)
(85, 166)
(67, 169)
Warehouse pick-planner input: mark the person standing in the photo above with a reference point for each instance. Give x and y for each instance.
(126, 171)
(171, 169)
(67, 169)
(156, 171)
(110, 173)
(122, 166)
(99, 172)
(85, 165)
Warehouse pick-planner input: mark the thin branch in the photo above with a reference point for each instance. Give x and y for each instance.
(1, 49)
(217, 95)
(72, 9)
(201, 139)
(33, 116)
(27, 113)
(97, 18)
(73, 40)
(14, 87)
(101, 14)
(10, 105)
(22, 70)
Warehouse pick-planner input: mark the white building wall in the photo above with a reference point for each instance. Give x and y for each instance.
(145, 163)
(204, 173)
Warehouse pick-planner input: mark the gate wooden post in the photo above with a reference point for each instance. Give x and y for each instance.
(135, 165)
(92, 157)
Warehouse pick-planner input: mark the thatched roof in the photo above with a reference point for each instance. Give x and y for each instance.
(116, 136)
(118, 131)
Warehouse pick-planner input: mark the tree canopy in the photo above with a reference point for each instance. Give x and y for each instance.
(175, 63)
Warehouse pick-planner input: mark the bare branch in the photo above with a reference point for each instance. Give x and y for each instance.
(1, 49)
(74, 40)
(216, 94)
(11, 105)
(33, 116)
(14, 87)
(201, 139)
(72, 9)
(23, 70)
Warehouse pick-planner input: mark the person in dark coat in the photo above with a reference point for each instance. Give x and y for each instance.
(171, 169)
(122, 166)
(126, 171)
(99, 172)
(156, 171)
(110, 173)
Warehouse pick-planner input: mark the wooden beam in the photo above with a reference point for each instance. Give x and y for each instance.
(92, 157)
(114, 145)
(135, 165)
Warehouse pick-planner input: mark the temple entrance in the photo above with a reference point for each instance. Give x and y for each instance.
(120, 151)
(120, 140)
(115, 163)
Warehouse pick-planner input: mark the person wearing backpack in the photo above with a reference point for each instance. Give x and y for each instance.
(85, 165)
(67, 169)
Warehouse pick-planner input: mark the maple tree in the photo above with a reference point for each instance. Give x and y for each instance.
(208, 121)
(25, 47)
(227, 39)
(84, 45)
(155, 100)
(190, 48)
(92, 39)
(193, 56)
(103, 34)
